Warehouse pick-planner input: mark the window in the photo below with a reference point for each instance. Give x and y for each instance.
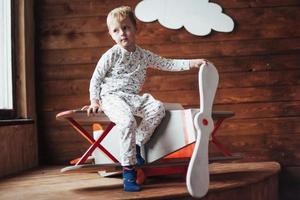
(6, 61)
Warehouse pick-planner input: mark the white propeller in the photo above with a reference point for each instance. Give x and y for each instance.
(197, 178)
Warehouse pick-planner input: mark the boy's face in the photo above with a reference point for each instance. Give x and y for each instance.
(123, 33)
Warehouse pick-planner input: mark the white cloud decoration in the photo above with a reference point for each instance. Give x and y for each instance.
(198, 17)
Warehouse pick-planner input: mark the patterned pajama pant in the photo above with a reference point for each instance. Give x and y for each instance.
(121, 109)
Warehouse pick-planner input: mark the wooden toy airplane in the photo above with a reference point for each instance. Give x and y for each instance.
(181, 129)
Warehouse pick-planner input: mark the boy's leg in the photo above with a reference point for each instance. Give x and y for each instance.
(152, 111)
(121, 114)
(139, 159)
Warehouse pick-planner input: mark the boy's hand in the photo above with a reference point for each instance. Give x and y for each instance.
(196, 63)
(95, 107)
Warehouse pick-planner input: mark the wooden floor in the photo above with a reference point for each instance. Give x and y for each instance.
(228, 181)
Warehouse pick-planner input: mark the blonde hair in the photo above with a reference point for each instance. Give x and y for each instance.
(119, 14)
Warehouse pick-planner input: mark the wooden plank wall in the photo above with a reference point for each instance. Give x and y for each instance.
(18, 148)
(258, 62)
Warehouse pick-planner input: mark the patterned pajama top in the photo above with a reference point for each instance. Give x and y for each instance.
(119, 70)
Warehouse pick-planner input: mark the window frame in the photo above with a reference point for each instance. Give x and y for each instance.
(12, 113)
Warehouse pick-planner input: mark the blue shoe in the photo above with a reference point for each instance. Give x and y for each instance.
(129, 180)
(139, 159)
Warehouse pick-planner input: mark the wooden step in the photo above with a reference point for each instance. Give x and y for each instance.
(234, 181)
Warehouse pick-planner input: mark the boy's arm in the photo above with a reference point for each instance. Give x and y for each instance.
(95, 84)
(165, 64)
(159, 62)
(99, 74)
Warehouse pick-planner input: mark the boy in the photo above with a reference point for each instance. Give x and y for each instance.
(115, 85)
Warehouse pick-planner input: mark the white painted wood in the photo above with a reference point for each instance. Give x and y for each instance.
(175, 132)
(197, 179)
(99, 156)
(196, 124)
(198, 17)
